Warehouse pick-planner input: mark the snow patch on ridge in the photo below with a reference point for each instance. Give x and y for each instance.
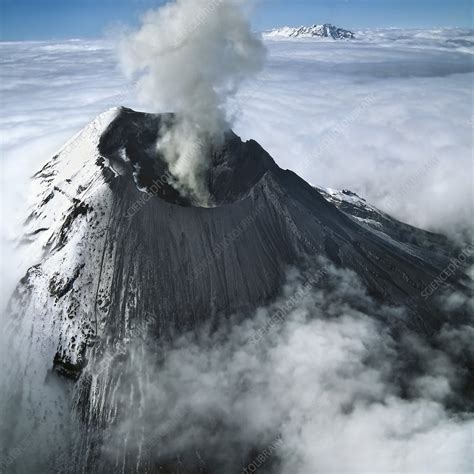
(67, 179)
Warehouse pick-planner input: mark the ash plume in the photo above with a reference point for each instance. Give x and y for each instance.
(190, 57)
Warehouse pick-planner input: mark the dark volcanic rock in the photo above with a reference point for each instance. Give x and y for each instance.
(290, 222)
(125, 254)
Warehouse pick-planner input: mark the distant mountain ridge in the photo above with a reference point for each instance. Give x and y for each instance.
(322, 31)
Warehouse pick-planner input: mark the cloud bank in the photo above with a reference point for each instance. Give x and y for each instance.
(328, 387)
(388, 116)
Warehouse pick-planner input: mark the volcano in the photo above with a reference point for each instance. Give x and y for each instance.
(123, 253)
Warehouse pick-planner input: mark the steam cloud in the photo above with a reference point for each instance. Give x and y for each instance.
(191, 56)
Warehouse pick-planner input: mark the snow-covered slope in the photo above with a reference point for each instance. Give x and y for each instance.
(315, 31)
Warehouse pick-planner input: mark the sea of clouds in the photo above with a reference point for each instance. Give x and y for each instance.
(388, 116)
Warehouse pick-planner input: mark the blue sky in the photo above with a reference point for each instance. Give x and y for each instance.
(52, 19)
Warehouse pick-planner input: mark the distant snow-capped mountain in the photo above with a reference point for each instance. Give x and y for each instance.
(322, 31)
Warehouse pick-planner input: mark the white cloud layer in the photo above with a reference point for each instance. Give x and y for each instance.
(390, 118)
(327, 380)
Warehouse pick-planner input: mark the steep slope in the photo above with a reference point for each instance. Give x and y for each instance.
(366, 214)
(124, 254)
(107, 218)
